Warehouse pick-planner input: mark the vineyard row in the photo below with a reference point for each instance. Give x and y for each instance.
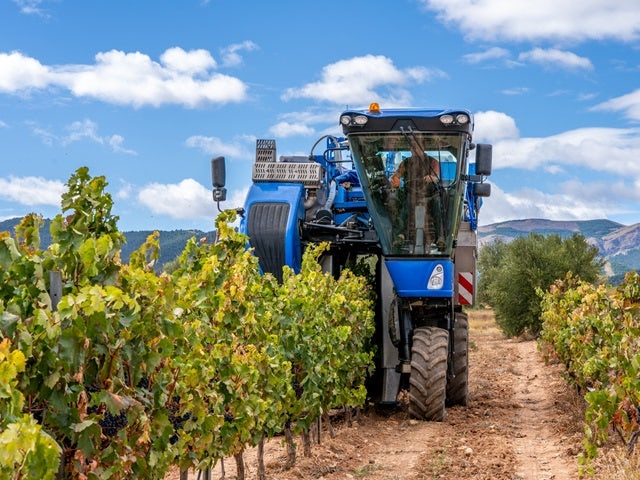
(595, 332)
(131, 372)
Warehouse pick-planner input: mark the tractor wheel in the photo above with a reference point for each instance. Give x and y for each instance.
(458, 387)
(428, 381)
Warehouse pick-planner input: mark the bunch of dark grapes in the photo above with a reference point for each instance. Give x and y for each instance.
(143, 383)
(297, 388)
(89, 389)
(176, 420)
(110, 423)
(92, 388)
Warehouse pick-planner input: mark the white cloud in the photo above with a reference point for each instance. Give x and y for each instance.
(185, 200)
(195, 62)
(3, 124)
(313, 116)
(556, 20)
(20, 73)
(361, 80)
(595, 149)
(47, 137)
(79, 131)
(30, 7)
(125, 191)
(607, 154)
(515, 91)
(287, 129)
(231, 54)
(32, 190)
(585, 97)
(554, 169)
(493, 53)
(492, 126)
(556, 58)
(629, 104)
(181, 78)
(116, 142)
(215, 146)
(301, 123)
(530, 203)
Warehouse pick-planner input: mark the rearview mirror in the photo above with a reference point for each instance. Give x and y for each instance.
(482, 189)
(484, 154)
(218, 172)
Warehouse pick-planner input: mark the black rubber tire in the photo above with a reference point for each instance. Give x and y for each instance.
(428, 380)
(458, 386)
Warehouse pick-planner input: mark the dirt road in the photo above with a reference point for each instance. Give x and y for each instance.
(522, 423)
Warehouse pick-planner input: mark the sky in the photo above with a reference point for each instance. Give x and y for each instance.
(147, 92)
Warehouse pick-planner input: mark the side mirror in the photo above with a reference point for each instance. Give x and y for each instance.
(484, 154)
(218, 179)
(482, 189)
(218, 172)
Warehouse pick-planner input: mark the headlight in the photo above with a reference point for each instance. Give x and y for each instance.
(446, 119)
(436, 279)
(459, 119)
(359, 120)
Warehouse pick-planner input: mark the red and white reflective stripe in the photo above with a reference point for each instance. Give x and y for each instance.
(465, 288)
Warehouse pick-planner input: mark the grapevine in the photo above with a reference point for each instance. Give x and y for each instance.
(595, 332)
(26, 451)
(132, 371)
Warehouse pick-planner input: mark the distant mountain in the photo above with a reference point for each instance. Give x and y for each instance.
(172, 242)
(618, 244)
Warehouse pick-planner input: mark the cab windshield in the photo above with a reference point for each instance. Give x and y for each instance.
(411, 181)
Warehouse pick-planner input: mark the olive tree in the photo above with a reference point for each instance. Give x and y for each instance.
(512, 274)
(489, 261)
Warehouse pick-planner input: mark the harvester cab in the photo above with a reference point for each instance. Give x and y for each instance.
(397, 188)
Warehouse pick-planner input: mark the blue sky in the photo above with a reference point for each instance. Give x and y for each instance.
(147, 92)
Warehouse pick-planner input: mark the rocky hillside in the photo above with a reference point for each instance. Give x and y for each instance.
(618, 244)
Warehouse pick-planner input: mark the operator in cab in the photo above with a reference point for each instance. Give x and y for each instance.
(416, 179)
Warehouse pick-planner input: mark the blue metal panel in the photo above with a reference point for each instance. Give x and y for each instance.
(287, 193)
(350, 199)
(410, 276)
(471, 213)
